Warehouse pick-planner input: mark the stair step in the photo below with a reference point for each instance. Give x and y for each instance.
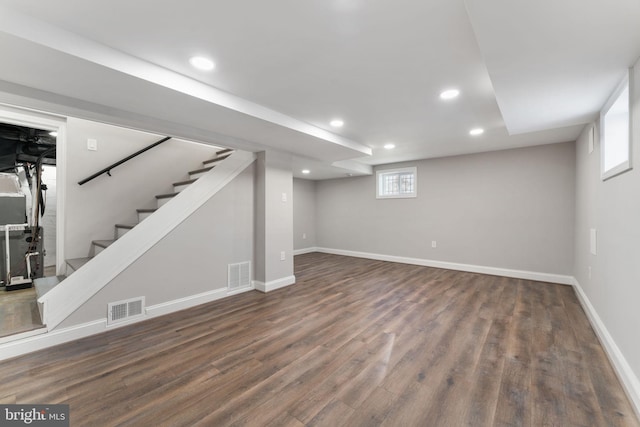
(143, 213)
(127, 226)
(103, 243)
(179, 186)
(100, 245)
(45, 284)
(225, 151)
(212, 162)
(76, 263)
(166, 196)
(161, 199)
(122, 229)
(199, 172)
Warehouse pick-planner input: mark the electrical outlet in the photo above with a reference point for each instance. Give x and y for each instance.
(282, 256)
(284, 197)
(92, 144)
(304, 235)
(434, 243)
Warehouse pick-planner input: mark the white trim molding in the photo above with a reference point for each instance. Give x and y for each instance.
(191, 301)
(272, 285)
(630, 382)
(305, 251)
(495, 271)
(51, 338)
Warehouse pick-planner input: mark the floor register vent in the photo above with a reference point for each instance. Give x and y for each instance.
(121, 311)
(239, 275)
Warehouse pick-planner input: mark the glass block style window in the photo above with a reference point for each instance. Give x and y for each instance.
(396, 183)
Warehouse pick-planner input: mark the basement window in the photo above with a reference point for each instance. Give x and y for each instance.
(614, 132)
(397, 183)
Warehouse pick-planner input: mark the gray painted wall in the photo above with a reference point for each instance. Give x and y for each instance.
(190, 260)
(94, 208)
(611, 207)
(304, 214)
(510, 209)
(274, 217)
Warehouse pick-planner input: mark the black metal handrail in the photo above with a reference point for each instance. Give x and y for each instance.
(108, 169)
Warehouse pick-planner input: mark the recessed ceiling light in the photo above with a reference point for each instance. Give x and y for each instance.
(476, 131)
(202, 63)
(449, 94)
(337, 123)
(390, 146)
(306, 171)
(53, 133)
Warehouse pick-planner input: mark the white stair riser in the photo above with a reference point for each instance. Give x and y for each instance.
(211, 162)
(163, 201)
(143, 215)
(215, 160)
(121, 232)
(179, 188)
(196, 175)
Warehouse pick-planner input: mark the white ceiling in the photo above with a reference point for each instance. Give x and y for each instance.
(529, 72)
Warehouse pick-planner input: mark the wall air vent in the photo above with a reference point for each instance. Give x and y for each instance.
(239, 276)
(121, 311)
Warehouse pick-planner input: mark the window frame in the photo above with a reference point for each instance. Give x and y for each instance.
(624, 85)
(380, 173)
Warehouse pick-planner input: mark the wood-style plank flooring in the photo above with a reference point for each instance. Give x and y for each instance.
(354, 343)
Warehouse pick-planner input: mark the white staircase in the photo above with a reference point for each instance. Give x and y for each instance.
(46, 284)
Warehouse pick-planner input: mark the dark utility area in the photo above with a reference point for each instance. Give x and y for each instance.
(23, 152)
(19, 144)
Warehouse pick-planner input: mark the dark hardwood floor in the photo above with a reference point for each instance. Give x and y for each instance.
(354, 342)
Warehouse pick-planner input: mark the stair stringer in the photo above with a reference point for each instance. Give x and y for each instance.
(83, 284)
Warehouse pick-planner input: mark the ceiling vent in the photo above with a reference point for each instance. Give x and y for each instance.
(121, 311)
(239, 276)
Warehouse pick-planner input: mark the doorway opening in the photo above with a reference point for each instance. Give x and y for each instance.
(28, 217)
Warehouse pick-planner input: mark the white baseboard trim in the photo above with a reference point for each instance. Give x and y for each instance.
(191, 301)
(51, 338)
(629, 380)
(23, 343)
(22, 335)
(305, 251)
(495, 271)
(274, 284)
